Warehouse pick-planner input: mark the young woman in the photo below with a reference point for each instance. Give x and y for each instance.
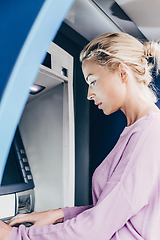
(125, 187)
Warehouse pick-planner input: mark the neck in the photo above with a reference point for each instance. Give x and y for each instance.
(136, 106)
(137, 113)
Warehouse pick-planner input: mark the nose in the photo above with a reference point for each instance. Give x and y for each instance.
(90, 95)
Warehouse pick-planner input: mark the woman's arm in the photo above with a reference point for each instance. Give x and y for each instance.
(98, 222)
(117, 203)
(48, 217)
(39, 218)
(71, 212)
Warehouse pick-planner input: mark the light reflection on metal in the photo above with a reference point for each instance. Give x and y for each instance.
(35, 89)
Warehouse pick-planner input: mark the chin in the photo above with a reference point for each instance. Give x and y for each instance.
(108, 112)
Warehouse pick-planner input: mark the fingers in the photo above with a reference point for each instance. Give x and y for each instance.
(20, 218)
(13, 221)
(39, 219)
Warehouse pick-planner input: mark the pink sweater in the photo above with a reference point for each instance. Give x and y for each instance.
(126, 193)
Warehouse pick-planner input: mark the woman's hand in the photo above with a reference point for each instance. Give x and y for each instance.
(39, 218)
(5, 231)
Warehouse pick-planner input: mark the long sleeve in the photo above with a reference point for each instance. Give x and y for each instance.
(110, 214)
(71, 212)
(126, 194)
(95, 223)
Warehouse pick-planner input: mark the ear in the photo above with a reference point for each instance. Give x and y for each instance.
(123, 71)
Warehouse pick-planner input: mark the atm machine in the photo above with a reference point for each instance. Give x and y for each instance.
(43, 147)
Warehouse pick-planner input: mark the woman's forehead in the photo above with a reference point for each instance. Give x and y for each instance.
(89, 64)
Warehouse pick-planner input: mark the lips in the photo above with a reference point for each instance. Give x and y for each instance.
(99, 105)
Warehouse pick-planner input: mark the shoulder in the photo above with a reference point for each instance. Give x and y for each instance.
(147, 125)
(137, 148)
(143, 150)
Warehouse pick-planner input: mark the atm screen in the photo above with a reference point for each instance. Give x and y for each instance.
(12, 173)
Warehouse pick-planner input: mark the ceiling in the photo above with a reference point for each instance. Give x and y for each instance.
(87, 19)
(91, 18)
(145, 14)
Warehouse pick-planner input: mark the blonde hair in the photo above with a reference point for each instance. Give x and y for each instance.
(111, 49)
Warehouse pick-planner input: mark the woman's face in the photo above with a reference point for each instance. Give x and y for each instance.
(107, 89)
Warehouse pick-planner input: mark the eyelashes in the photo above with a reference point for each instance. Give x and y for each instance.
(92, 83)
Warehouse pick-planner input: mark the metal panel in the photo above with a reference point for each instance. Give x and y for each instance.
(119, 17)
(89, 20)
(25, 70)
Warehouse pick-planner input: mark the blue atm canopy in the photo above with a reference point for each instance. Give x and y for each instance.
(27, 29)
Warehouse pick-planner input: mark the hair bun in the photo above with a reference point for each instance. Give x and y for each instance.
(150, 49)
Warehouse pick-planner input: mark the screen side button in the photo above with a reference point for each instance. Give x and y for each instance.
(27, 168)
(22, 151)
(24, 159)
(29, 177)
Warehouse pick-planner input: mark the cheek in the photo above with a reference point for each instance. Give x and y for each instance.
(108, 92)
(114, 96)
(119, 96)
